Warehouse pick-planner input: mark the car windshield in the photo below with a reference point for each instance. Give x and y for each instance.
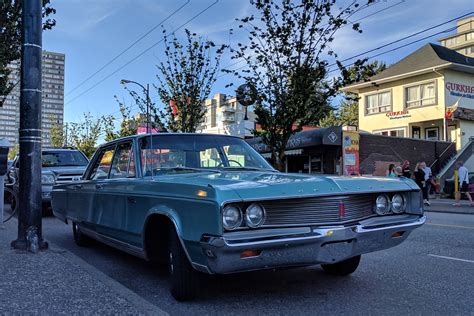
(164, 154)
(63, 159)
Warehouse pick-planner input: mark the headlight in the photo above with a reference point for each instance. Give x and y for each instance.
(398, 203)
(382, 205)
(254, 215)
(47, 179)
(231, 217)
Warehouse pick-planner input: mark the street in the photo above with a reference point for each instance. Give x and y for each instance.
(430, 273)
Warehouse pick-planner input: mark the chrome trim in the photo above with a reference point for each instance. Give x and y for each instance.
(126, 247)
(285, 197)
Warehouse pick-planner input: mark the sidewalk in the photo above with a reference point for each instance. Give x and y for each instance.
(446, 206)
(56, 281)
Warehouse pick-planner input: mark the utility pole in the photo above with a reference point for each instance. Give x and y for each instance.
(30, 235)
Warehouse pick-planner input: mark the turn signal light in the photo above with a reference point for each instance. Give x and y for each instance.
(250, 253)
(398, 234)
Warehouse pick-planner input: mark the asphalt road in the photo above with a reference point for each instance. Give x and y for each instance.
(430, 273)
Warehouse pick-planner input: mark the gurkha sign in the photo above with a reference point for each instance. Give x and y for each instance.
(398, 115)
(460, 90)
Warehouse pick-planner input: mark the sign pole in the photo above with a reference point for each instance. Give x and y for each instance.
(30, 235)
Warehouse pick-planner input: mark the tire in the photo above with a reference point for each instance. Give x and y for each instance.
(183, 277)
(342, 268)
(79, 237)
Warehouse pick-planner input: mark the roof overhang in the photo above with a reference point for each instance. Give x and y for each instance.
(354, 88)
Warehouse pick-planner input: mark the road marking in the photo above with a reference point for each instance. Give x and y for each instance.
(451, 258)
(454, 226)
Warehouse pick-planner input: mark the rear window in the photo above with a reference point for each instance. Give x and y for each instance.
(63, 159)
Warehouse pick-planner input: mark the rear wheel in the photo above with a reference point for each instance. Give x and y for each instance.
(184, 278)
(79, 237)
(342, 268)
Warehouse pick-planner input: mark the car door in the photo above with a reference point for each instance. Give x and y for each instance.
(82, 194)
(112, 196)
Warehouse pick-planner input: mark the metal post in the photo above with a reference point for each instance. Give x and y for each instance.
(2, 186)
(29, 220)
(147, 108)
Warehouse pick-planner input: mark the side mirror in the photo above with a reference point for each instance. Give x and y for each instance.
(4, 148)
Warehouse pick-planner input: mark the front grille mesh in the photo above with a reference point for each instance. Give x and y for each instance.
(318, 210)
(66, 178)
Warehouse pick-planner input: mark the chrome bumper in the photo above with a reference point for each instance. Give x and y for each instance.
(303, 246)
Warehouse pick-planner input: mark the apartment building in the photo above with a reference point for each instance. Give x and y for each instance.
(53, 99)
(463, 40)
(224, 115)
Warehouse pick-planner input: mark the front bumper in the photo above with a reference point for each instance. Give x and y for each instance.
(303, 246)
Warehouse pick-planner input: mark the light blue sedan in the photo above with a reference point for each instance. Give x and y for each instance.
(211, 204)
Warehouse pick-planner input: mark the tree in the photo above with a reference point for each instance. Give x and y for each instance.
(57, 135)
(85, 134)
(13, 152)
(10, 39)
(128, 124)
(185, 81)
(347, 113)
(286, 58)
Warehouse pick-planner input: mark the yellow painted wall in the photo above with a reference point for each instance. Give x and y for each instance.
(374, 122)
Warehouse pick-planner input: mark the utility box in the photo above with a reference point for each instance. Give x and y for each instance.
(4, 147)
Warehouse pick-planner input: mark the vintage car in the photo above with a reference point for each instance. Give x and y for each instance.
(211, 204)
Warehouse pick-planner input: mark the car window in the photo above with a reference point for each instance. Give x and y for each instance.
(102, 165)
(122, 164)
(209, 158)
(69, 158)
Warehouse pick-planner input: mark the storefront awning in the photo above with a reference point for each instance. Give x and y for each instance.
(321, 136)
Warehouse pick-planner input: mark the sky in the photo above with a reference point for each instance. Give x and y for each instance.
(92, 32)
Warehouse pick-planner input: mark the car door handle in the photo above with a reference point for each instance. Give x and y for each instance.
(99, 186)
(131, 200)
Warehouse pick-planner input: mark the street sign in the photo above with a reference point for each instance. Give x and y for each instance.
(246, 94)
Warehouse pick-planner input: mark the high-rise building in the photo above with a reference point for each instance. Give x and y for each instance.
(463, 41)
(224, 115)
(53, 99)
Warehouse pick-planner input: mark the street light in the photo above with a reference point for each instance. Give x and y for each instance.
(147, 92)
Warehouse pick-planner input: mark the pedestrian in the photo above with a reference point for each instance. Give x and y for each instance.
(398, 171)
(391, 171)
(463, 183)
(419, 177)
(428, 179)
(406, 169)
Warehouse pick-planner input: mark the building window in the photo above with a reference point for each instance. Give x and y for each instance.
(398, 132)
(469, 36)
(452, 41)
(421, 95)
(378, 103)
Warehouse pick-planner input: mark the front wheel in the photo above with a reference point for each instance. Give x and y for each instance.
(342, 268)
(184, 279)
(79, 237)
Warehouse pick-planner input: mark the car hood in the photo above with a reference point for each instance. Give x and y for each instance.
(254, 185)
(65, 170)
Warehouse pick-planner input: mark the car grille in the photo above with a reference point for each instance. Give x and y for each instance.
(318, 210)
(66, 178)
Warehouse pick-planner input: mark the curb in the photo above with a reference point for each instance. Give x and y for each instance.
(133, 298)
(449, 212)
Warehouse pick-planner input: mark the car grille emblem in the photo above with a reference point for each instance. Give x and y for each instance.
(342, 210)
(76, 178)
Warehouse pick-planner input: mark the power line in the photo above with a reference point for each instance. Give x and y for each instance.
(404, 45)
(142, 53)
(352, 22)
(406, 37)
(128, 48)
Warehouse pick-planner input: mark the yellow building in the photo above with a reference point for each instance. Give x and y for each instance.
(412, 97)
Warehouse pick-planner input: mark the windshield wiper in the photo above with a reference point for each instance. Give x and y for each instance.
(187, 169)
(247, 168)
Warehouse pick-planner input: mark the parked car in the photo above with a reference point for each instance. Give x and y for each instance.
(449, 185)
(211, 204)
(58, 165)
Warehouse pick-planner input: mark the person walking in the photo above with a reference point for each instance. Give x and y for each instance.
(463, 184)
(428, 180)
(406, 169)
(419, 177)
(391, 171)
